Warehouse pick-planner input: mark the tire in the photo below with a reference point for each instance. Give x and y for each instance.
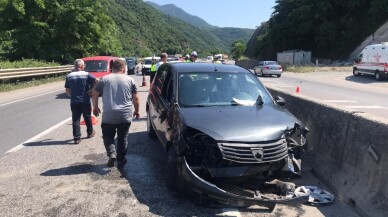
(278, 76)
(355, 73)
(377, 75)
(171, 170)
(150, 128)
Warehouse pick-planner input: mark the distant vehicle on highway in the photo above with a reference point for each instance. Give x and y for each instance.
(220, 128)
(268, 68)
(99, 65)
(373, 60)
(131, 63)
(147, 64)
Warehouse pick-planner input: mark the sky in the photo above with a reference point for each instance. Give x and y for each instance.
(240, 13)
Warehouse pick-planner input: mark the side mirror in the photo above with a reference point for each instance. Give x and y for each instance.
(280, 101)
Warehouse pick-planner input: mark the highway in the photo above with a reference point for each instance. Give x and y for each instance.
(341, 89)
(29, 112)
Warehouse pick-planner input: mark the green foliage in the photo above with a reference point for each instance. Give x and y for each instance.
(59, 30)
(26, 63)
(238, 48)
(330, 29)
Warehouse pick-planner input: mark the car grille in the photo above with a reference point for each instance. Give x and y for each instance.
(254, 153)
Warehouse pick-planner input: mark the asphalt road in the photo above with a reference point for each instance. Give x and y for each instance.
(50, 176)
(341, 89)
(29, 112)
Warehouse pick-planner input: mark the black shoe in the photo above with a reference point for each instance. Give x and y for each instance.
(91, 134)
(77, 141)
(111, 161)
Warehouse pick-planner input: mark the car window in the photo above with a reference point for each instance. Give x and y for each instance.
(219, 89)
(167, 87)
(271, 63)
(160, 78)
(96, 65)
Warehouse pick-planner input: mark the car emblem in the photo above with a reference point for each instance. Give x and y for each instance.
(258, 153)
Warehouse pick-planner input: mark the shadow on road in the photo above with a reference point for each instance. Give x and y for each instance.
(62, 96)
(78, 169)
(145, 173)
(364, 79)
(49, 142)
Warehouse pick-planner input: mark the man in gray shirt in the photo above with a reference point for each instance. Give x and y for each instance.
(119, 98)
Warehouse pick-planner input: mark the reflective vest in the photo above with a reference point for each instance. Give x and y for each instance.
(153, 68)
(218, 62)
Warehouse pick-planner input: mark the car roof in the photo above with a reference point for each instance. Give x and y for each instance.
(99, 58)
(207, 67)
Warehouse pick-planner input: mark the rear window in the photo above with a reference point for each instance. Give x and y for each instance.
(96, 65)
(271, 63)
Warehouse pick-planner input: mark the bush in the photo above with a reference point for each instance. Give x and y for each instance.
(26, 63)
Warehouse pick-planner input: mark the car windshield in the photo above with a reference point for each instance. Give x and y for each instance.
(147, 62)
(96, 65)
(130, 63)
(271, 63)
(220, 89)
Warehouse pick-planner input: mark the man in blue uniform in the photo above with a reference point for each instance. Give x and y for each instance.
(78, 84)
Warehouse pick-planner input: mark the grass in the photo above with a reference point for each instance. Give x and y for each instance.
(307, 69)
(26, 63)
(18, 84)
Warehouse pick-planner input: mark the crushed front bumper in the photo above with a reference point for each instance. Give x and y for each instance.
(210, 194)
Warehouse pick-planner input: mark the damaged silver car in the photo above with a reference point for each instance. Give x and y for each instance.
(224, 134)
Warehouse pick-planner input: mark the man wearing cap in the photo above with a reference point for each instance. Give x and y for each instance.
(193, 57)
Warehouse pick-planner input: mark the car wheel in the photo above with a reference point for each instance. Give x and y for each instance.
(377, 75)
(278, 76)
(171, 170)
(150, 128)
(355, 73)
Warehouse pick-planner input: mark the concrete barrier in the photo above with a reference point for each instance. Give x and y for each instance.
(346, 150)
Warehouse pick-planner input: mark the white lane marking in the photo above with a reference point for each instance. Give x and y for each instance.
(21, 145)
(272, 81)
(366, 107)
(340, 101)
(32, 97)
(230, 212)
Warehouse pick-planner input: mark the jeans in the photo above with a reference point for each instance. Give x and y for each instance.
(108, 135)
(86, 111)
(152, 76)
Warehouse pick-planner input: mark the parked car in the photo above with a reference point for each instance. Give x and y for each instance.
(268, 68)
(373, 60)
(99, 65)
(131, 64)
(220, 127)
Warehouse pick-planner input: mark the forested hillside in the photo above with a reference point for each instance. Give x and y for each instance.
(62, 30)
(330, 29)
(226, 35)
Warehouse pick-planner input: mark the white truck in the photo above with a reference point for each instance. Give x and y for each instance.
(147, 64)
(373, 60)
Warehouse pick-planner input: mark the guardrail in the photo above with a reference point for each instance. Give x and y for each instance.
(31, 72)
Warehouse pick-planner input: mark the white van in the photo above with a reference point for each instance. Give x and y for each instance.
(147, 64)
(373, 60)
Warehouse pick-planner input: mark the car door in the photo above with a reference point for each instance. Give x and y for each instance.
(159, 107)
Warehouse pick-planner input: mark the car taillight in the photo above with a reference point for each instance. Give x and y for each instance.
(280, 68)
(266, 67)
(385, 67)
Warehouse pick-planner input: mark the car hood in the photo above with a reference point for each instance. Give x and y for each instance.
(239, 123)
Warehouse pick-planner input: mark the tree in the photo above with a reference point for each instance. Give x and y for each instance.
(238, 48)
(59, 30)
